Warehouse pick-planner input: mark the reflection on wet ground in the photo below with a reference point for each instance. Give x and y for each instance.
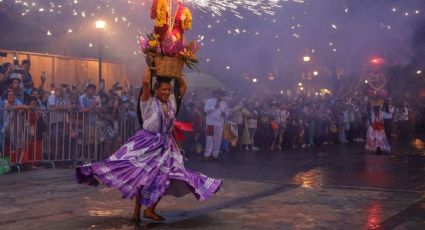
(309, 179)
(331, 187)
(374, 216)
(344, 165)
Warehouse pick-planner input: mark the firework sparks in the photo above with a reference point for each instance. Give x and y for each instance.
(258, 7)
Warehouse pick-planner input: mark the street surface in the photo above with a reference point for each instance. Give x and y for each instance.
(328, 187)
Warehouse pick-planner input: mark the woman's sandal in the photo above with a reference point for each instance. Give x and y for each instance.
(154, 217)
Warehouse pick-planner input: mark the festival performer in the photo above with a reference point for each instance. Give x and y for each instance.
(376, 140)
(216, 110)
(150, 164)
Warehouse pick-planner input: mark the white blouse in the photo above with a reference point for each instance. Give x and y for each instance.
(151, 113)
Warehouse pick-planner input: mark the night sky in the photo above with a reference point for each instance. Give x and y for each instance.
(263, 39)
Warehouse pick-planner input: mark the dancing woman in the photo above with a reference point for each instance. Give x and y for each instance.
(376, 140)
(150, 164)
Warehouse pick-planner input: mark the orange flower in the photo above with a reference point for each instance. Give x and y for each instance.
(153, 43)
(186, 18)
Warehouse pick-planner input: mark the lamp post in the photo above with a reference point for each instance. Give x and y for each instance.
(305, 76)
(100, 25)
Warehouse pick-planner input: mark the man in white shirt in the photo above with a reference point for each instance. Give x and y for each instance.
(216, 110)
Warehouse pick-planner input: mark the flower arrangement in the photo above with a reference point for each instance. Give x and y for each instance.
(150, 44)
(188, 55)
(167, 39)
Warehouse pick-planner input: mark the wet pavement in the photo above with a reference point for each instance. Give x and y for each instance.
(328, 187)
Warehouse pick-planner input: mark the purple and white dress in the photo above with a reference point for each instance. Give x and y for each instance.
(150, 163)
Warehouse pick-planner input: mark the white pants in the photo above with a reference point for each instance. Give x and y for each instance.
(213, 142)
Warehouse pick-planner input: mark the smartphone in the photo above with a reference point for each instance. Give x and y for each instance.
(43, 76)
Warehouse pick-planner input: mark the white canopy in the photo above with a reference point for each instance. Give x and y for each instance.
(198, 80)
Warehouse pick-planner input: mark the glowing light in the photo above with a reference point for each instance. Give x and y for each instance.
(100, 24)
(254, 80)
(306, 58)
(300, 84)
(301, 88)
(315, 73)
(377, 61)
(366, 82)
(419, 72)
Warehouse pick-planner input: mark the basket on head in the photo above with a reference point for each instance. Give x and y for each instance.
(376, 102)
(168, 66)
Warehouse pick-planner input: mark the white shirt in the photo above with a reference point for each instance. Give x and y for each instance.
(215, 115)
(386, 115)
(151, 114)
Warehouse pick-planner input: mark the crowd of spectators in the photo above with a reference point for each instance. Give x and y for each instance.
(78, 119)
(72, 120)
(275, 122)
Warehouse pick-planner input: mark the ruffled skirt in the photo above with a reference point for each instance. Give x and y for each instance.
(376, 139)
(150, 165)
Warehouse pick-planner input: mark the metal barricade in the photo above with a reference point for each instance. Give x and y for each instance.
(34, 136)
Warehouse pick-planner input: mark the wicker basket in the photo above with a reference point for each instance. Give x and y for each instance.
(376, 102)
(168, 66)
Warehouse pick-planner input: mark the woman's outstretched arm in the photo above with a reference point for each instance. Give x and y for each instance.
(182, 85)
(146, 94)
